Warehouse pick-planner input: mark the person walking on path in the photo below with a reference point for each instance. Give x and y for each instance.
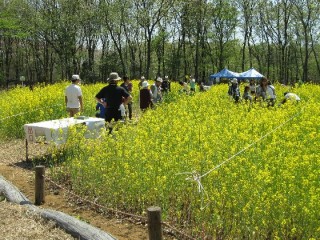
(141, 81)
(73, 96)
(156, 91)
(127, 85)
(114, 96)
(165, 86)
(145, 96)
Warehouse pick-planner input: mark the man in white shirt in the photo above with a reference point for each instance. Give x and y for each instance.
(73, 96)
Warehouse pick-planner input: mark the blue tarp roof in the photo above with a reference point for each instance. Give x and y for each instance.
(251, 73)
(225, 73)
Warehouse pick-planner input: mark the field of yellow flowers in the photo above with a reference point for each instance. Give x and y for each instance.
(217, 169)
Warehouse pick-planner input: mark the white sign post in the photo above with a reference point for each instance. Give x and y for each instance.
(22, 79)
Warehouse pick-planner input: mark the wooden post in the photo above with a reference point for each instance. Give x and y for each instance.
(154, 223)
(27, 151)
(39, 185)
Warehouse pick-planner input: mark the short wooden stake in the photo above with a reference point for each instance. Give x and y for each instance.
(27, 151)
(39, 185)
(154, 223)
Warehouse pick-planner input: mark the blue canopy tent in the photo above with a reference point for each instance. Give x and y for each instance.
(225, 73)
(251, 73)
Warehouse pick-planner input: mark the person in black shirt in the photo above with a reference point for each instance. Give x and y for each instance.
(113, 96)
(165, 85)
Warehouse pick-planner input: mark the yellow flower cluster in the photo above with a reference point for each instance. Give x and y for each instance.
(215, 167)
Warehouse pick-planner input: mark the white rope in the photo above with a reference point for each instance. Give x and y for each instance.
(23, 113)
(194, 176)
(244, 149)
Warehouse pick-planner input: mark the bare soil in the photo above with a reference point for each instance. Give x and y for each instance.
(16, 170)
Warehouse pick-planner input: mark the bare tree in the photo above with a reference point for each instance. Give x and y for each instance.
(149, 14)
(307, 13)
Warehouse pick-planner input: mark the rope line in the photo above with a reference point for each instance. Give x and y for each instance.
(194, 176)
(137, 217)
(23, 113)
(244, 149)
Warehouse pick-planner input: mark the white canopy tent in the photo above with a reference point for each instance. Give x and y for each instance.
(251, 73)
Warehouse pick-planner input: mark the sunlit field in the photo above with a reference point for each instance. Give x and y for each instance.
(217, 169)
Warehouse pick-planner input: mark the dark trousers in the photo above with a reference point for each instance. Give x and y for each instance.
(112, 113)
(130, 110)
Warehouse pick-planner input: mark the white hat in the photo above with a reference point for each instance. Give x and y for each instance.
(75, 77)
(234, 80)
(159, 79)
(144, 84)
(166, 77)
(142, 78)
(114, 76)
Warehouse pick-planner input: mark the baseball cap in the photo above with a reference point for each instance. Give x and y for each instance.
(75, 77)
(144, 84)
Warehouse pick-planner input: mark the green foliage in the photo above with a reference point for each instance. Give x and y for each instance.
(50, 40)
(11, 26)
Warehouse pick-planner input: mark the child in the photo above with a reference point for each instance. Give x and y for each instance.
(192, 85)
(246, 94)
(252, 86)
(101, 109)
(122, 108)
(234, 90)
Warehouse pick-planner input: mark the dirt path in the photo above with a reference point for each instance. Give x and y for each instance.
(14, 168)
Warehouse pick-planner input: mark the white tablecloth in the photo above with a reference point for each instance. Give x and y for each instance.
(57, 130)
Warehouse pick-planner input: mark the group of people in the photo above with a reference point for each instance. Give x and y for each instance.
(115, 102)
(112, 99)
(149, 96)
(265, 91)
(189, 85)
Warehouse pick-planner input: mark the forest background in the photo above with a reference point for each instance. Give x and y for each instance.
(49, 40)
